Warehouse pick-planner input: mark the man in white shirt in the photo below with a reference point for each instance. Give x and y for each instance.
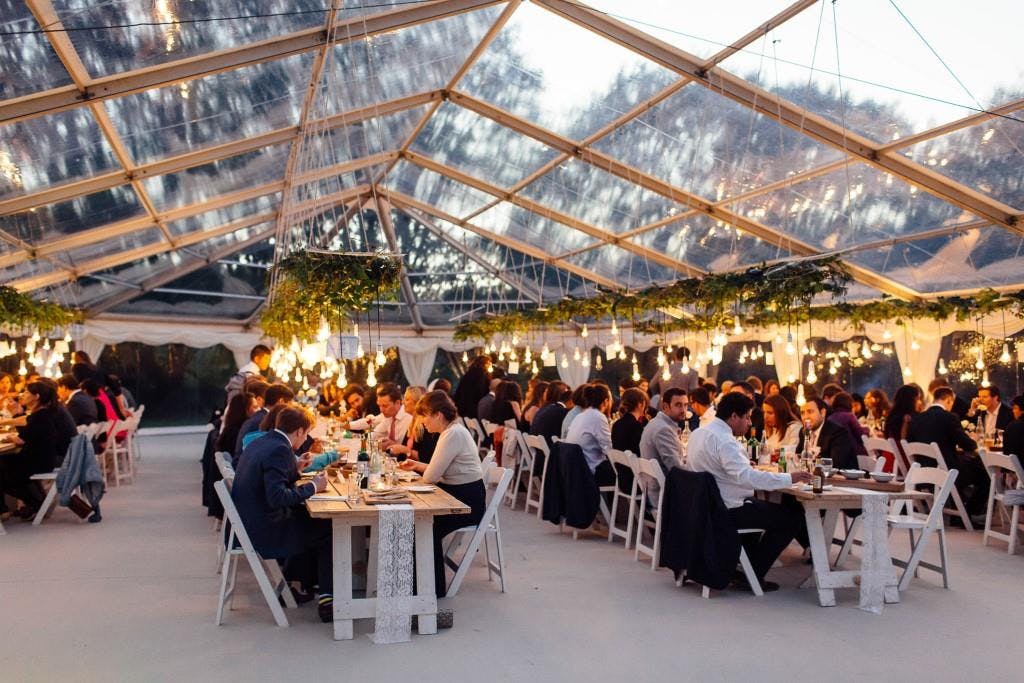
(394, 422)
(714, 449)
(702, 406)
(259, 361)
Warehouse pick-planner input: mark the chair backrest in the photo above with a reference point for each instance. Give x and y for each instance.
(496, 482)
(915, 449)
(489, 427)
(624, 458)
(645, 468)
(942, 480)
(511, 424)
(140, 410)
(487, 464)
(474, 429)
(537, 442)
(233, 517)
(1000, 464)
(227, 471)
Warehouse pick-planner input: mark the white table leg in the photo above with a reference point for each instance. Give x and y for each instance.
(425, 588)
(343, 599)
(877, 575)
(819, 555)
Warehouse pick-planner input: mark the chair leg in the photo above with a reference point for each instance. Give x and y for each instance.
(225, 571)
(233, 582)
(614, 516)
(467, 560)
(629, 522)
(989, 509)
(281, 586)
(1014, 521)
(51, 496)
(748, 571)
(917, 550)
(705, 593)
(964, 517)
(943, 558)
(656, 548)
(487, 558)
(851, 536)
(500, 553)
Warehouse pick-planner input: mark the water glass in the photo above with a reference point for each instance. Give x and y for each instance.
(354, 479)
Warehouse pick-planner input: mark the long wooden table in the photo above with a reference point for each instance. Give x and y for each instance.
(344, 518)
(880, 583)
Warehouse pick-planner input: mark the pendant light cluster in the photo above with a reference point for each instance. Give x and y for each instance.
(38, 352)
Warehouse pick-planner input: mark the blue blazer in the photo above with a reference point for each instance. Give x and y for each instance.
(270, 505)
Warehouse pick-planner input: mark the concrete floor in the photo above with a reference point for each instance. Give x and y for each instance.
(133, 599)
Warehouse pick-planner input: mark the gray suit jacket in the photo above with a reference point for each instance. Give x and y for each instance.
(82, 407)
(660, 442)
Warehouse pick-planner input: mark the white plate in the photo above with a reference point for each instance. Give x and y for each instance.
(422, 488)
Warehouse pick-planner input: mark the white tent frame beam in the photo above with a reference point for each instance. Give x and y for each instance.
(181, 70)
(812, 125)
(384, 216)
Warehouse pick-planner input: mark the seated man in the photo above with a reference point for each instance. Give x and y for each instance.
(81, 406)
(394, 422)
(272, 506)
(714, 449)
(548, 420)
(937, 424)
(832, 440)
(989, 403)
(660, 439)
(1013, 436)
(702, 407)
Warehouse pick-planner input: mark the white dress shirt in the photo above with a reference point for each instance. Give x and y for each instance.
(402, 421)
(708, 417)
(714, 449)
(591, 431)
(790, 437)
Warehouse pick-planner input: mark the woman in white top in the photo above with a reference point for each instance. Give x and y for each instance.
(781, 426)
(592, 432)
(454, 467)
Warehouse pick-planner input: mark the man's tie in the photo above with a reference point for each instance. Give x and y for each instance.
(391, 430)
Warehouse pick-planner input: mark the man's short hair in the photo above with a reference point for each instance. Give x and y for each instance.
(671, 393)
(734, 404)
(710, 387)
(746, 387)
(627, 383)
(257, 387)
(830, 390)
(259, 350)
(943, 393)
(992, 390)
(936, 383)
(68, 382)
(822, 406)
(276, 393)
(391, 390)
(292, 419)
(755, 382)
(1018, 401)
(682, 352)
(699, 395)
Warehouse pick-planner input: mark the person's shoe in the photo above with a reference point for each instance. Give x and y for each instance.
(26, 513)
(445, 618)
(301, 596)
(978, 520)
(740, 582)
(325, 608)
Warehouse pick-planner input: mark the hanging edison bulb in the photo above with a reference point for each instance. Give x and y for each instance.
(586, 360)
(371, 375)
(665, 374)
(1005, 356)
(800, 397)
(812, 376)
(565, 361)
(615, 328)
(380, 358)
(907, 372)
(528, 356)
(305, 384)
(685, 368)
(576, 354)
(804, 350)
(533, 367)
(887, 334)
(737, 329)
(584, 332)
(359, 351)
(622, 354)
(515, 340)
(636, 373)
(661, 357)
(812, 351)
(342, 380)
(984, 380)
(512, 355)
(865, 350)
(914, 346)
(298, 375)
(545, 352)
(833, 368)
(760, 351)
(465, 357)
(942, 367)
(980, 363)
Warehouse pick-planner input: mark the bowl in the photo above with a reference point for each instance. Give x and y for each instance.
(882, 477)
(852, 474)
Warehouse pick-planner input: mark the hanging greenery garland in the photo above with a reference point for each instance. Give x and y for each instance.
(308, 286)
(712, 299)
(19, 310)
(761, 296)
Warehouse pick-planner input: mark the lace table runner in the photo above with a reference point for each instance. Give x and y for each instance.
(395, 536)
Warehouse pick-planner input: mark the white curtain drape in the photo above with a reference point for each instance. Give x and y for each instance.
(787, 367)
(575, 374)
(93, 347)
(418, 364)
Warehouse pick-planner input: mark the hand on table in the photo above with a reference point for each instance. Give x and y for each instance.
(320, 482)
(800, 477)
(409, 465)
(304, 461)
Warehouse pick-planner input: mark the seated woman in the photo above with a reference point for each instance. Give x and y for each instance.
(508, 405)
(535, 400)
(273, 509)
(629, 427)
(241, 406)
(591, 431)
(455, 468)
(331, 400)
(419, 442)
(44, 440)
(781, 425)
(842, 415)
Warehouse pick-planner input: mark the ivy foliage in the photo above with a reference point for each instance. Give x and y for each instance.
(309, 285)
(20, 310)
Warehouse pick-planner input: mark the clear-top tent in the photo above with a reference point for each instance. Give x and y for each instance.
(152, 150)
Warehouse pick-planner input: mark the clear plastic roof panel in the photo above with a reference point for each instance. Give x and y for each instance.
(708, 244)
(561, 76)
(61, 219)
(177, 29)
(27, 60)
(201, 183)
(468, 142)
(545, 144)
(713, 147)
(855, 204)
(892, 83)
(597, 197)
(978, 258)
(38, 153)
(212, 110)
(404, 62)
(988, 157)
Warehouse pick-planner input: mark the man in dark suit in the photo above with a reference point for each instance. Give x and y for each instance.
(272, 395)
(989, 403)
(485, 406)
(272, 506)
(937, 424)
(548, 420)
(1013, 435)
(81, 405)
(834, 441)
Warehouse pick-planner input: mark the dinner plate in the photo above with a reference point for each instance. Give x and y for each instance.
(422, 488)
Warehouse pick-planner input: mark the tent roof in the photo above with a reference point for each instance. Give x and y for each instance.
(514, 152)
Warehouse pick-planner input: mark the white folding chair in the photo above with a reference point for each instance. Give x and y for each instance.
(266, 571)
(1000, 467)
(874, 462)
(628, 460)
(489, 427)
(51, 495)
(926, 525)
(474, 429)
(227, 473)
(647, 471)
(118, 453)
(931, 450)
(487, 464)
(538, 444)
(525, 459)
(497, 481)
